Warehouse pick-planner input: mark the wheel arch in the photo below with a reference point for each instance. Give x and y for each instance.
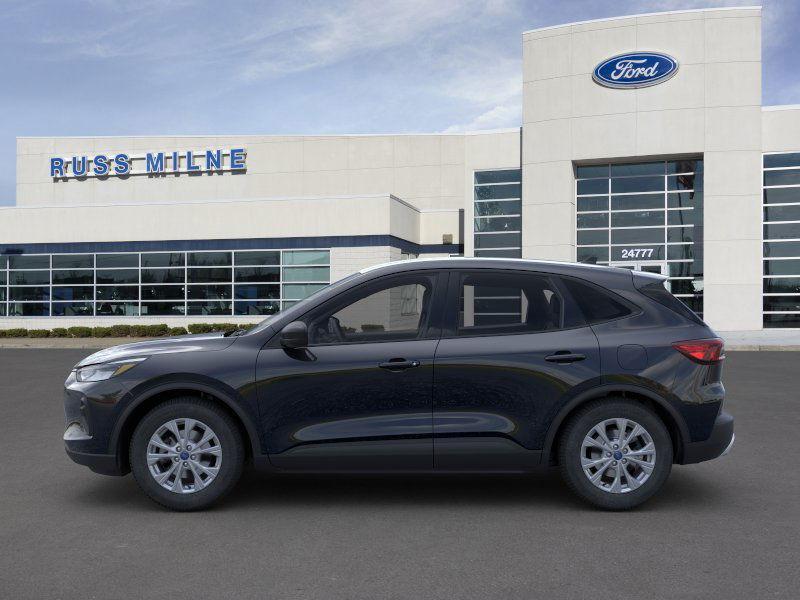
(663, 409)
(152, 396)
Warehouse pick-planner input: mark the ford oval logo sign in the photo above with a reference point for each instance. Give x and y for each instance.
(635, 70)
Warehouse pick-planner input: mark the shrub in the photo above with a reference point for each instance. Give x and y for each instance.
(60, 332)
(17, 332)
(38, 333)
(225, 327)
(120, 330)
(101, 332)
(2, 333)
(80, 332)
(138, 330)
(201, 328)
(177, 331)
(156, 330)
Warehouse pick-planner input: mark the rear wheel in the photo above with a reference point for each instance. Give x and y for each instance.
(186, 454)
(615, 453)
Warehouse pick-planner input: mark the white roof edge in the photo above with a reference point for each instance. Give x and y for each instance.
(651, 14)
(782, 107)
(262, 135)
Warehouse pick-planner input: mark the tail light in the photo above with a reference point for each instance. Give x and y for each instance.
(705, 352)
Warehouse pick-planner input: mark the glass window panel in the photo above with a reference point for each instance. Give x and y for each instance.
(118, 276)
(297, 291)
(777, 321)
(28, 309)
(680, 234)
(306, 257)
(784, 285)
(256, 308)
(29, 262)
(2, 277)
(209, 275)
(590, 171)
(510, 253)
(255, 291)
(684, 166)
(112, 261)
(782, 267)
(782, 213)
(592, 186)
(117, 309)
(595, 203)
(3, 308)
(257, 273)
(637, 219)
(258, 258)
(117, 292)
(498, 224)
(73, 276)
(209, 259)
(73, 309)
(681, 269)
(29, 293)
(788, 177)
(306, 274)
(209, 292)
(685, 286)
(648, 168)
(498, 176)
(637, 184)
(162, 308)
(498, 192)
(782, 303)
(637, 236)
(685, 200)
(73, 261)
(782, 231)
(162, 292)
(498, 240)
(639, 252)
(592, 237)
(593, 255)
(163, 259)
(83, 292)
(637, 201)
(29, 277)
(2, 294)
(684, 217)
(163, 276)
(781, 249)
(684, 182)
(680, 252)
(220, 307)
(789, 159)
(3, 262)
(782, 195)
(694, 303)
(592, 220)
(508, 207)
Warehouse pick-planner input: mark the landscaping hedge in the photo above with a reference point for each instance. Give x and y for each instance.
(159, 330)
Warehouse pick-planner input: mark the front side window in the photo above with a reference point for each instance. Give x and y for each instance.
(396, 310)
(507, 303)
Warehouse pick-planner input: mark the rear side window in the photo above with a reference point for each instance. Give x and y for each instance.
(658, 292)
(596, 304)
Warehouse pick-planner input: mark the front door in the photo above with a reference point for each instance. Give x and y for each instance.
(510, 355)
(360, 396)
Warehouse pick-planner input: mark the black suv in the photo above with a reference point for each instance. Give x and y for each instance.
(442, 365)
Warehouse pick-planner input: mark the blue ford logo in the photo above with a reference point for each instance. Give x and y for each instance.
(635, 70)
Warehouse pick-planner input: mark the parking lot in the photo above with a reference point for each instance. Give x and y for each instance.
(724, 529)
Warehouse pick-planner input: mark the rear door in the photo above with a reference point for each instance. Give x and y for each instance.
(514, 350)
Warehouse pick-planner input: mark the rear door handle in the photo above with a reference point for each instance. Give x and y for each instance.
(399, 364)
(565, 357)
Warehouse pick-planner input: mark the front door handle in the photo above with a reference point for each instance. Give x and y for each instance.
(399, 364)
(565, 357)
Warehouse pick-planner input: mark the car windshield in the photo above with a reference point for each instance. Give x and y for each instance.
(302, 304)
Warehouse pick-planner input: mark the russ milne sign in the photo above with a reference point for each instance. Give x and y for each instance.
(635, 70)
(151, 163)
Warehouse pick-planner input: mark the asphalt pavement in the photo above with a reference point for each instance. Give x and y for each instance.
(725, 529)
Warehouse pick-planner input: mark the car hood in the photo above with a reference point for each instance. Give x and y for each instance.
(184, 343)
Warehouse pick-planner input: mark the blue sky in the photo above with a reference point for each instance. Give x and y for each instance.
(151, 67)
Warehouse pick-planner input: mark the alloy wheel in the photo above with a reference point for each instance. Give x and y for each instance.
(618, 455)
(184, 456)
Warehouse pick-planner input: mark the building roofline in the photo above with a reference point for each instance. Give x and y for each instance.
(651, 14)
(781, 107)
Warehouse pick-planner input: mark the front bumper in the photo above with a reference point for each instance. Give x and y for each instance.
(105, 464)
(718, 443)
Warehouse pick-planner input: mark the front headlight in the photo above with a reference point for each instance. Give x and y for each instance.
(104, 371)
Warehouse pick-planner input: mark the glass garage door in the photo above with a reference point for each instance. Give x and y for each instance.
(646, 214)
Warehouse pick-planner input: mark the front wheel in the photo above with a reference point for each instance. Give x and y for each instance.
(186, 454)
(615, 453)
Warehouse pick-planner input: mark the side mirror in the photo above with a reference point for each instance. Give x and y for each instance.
(295, 335)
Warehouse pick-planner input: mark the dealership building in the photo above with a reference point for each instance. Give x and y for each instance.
(643, 144)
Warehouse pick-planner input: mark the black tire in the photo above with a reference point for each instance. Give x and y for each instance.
(229, 439)
(580, 424)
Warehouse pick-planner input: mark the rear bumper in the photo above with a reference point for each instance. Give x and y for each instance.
(718, 443)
